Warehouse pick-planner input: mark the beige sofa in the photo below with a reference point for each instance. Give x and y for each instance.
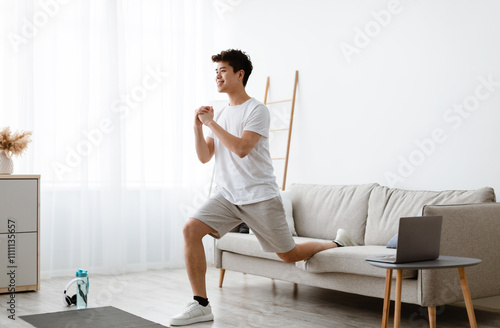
(370, 213)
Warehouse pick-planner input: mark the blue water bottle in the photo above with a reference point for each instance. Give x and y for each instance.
(82, 289)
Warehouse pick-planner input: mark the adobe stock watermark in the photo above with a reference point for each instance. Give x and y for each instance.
(199, 196)
(454, 118)
(280, 122)
(30, 28)
(93, 138)
(224, 6)
(450, 293)
(11, 266)
(364, 36)
(280, 118)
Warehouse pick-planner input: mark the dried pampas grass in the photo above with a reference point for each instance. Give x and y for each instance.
(14, 143)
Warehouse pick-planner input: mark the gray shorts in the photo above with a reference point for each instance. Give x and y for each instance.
(266, 219)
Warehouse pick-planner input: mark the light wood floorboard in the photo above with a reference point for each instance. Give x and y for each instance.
(243, 301)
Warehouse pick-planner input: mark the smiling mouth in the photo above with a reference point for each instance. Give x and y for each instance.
(219, 83)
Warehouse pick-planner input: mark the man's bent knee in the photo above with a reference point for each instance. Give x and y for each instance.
(195, 229)
(288, 257)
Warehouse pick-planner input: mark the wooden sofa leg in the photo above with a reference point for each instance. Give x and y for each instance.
(221, 277)
(432, 316)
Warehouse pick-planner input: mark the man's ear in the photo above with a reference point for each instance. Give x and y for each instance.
(241, 74)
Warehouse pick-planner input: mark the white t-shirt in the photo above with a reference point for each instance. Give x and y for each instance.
(250, 179)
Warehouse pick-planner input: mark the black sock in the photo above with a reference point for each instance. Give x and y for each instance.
(201, 300)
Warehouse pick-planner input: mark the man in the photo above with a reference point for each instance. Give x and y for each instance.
(246, 186)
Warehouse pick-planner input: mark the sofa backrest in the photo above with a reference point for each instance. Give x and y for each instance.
(387, 205)
(320, 210)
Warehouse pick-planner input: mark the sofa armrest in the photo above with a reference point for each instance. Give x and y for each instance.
(470, 230)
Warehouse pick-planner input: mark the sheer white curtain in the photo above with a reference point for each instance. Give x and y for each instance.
(109, 89)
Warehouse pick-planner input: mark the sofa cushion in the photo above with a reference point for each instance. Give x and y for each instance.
(319, 211)
(350, 260)
(387, 205)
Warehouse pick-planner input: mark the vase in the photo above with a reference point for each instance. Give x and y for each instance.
(6, 164)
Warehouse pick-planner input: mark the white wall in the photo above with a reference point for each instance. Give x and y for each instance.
(358, 117)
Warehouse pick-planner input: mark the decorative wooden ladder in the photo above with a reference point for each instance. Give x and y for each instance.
(289, 129)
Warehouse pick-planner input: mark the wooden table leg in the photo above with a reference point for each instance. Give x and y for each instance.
(432, 316)
(467, 298)
(397, 307)
(387, 298)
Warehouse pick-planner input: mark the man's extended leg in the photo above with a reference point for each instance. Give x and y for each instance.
(305, 250)
(197, 310)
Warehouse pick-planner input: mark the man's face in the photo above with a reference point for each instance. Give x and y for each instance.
(225, 77)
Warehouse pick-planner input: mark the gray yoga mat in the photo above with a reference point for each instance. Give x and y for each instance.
(102, 317)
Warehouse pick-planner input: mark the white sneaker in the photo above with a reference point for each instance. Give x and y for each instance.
(344, 238)
(193, 313)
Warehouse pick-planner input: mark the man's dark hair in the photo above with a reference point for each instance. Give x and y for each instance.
(238, 60)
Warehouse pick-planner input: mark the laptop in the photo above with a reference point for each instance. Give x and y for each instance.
(419, 239)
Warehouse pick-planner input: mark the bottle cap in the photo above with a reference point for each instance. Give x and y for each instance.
(81, 273)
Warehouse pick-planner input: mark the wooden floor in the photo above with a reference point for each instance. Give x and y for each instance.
(244, 301)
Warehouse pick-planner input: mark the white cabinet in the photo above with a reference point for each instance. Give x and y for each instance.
(19, 233)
